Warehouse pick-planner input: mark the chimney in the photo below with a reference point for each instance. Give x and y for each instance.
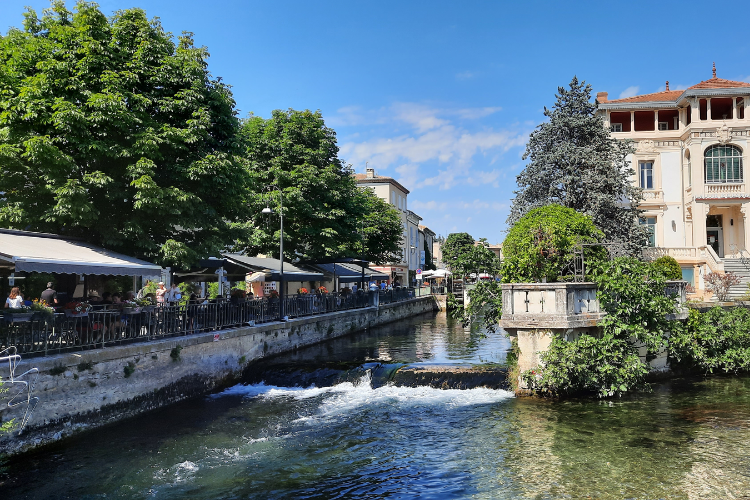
(601, 97)
(370, 173)
(667, 84)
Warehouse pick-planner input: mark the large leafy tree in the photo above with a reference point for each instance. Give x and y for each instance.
(294, 155)
(575, 163)
(456, 250)
(112, 131)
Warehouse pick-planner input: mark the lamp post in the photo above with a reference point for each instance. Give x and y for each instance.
(269, 211)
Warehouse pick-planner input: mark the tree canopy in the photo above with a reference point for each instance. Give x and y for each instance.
(325, 213)
(575, 163)
(540, 245)
(111, 131)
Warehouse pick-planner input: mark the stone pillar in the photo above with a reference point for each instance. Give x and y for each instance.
(695, 110)
(699, 223)
(632, 121)
(734, 108)
(745, 239)
(708, 109)
(656, 120)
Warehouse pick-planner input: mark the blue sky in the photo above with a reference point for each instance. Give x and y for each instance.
(443, 95)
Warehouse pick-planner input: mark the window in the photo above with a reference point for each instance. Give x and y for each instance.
(663, 125)
(393, 198)
(646, 174)
(723, 164)
(650, 223)
(616, 127)
(690, 173)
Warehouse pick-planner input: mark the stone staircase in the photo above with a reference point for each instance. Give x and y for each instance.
(736, 266)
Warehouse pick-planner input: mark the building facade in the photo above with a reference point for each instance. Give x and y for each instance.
(691, 148)
(390, 190)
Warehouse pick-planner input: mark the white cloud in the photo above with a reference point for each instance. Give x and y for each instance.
(408, 174)
(457, 205)
(629, 92)
(476, 113)
(466, 75)
(421, 117)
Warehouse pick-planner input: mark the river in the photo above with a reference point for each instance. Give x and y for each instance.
(359, 439)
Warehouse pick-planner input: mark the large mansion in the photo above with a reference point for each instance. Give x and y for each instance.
(691, 149)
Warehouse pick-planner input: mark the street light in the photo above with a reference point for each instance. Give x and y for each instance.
(269, 211)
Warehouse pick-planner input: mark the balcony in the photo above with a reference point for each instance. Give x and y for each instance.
(653, 196)
(727, 190)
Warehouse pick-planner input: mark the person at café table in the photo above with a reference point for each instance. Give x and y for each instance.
(15, 299)
(49, 296)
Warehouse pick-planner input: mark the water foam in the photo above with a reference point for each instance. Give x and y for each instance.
(347, 395)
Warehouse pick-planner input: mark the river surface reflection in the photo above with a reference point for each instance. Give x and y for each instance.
(687, 439)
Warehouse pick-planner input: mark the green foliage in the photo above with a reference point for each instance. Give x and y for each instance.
(325, 213)
(112, 131)
(485, 304)
(129, 369)
(85, 365)
(175, 353)
(575, 163)
(57, 370)
(455, 250)
(668, 267)
(717, 341)
(606, 366)
(540, 245)
(465, 257)
(631, 292)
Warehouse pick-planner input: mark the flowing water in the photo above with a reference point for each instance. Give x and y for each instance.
(356, 439)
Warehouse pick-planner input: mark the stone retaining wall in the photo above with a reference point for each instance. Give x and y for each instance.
(88, 389)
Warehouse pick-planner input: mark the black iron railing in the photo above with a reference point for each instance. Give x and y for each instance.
(39, 334)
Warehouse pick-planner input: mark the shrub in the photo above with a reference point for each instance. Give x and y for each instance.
(669, 267)
(632, 293)
(540, 245)
(719, 284)
(715, 341)
(604, 366)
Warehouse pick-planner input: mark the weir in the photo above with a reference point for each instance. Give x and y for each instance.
(85, 390)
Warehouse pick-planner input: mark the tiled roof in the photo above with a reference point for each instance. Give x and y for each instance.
(667, 95)
(363, 179)
(719, 83)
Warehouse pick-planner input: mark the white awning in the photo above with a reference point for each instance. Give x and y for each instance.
(48, 253)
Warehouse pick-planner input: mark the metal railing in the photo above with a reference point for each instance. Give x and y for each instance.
(40, 334)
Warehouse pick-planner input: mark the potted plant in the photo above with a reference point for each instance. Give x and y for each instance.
(302, 291)
(130, 307)
(77, 309)
(146, 304)
(18, 314)
(323, 290)
(42, 309)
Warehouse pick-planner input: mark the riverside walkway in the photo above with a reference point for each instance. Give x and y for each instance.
(41, 334)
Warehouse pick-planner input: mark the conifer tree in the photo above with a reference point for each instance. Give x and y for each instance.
(575, 163)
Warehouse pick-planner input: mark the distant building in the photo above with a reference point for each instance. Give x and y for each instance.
(692, 146)
(390, 190)
(426, 241)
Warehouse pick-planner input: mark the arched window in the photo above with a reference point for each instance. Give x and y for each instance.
(723, 164)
